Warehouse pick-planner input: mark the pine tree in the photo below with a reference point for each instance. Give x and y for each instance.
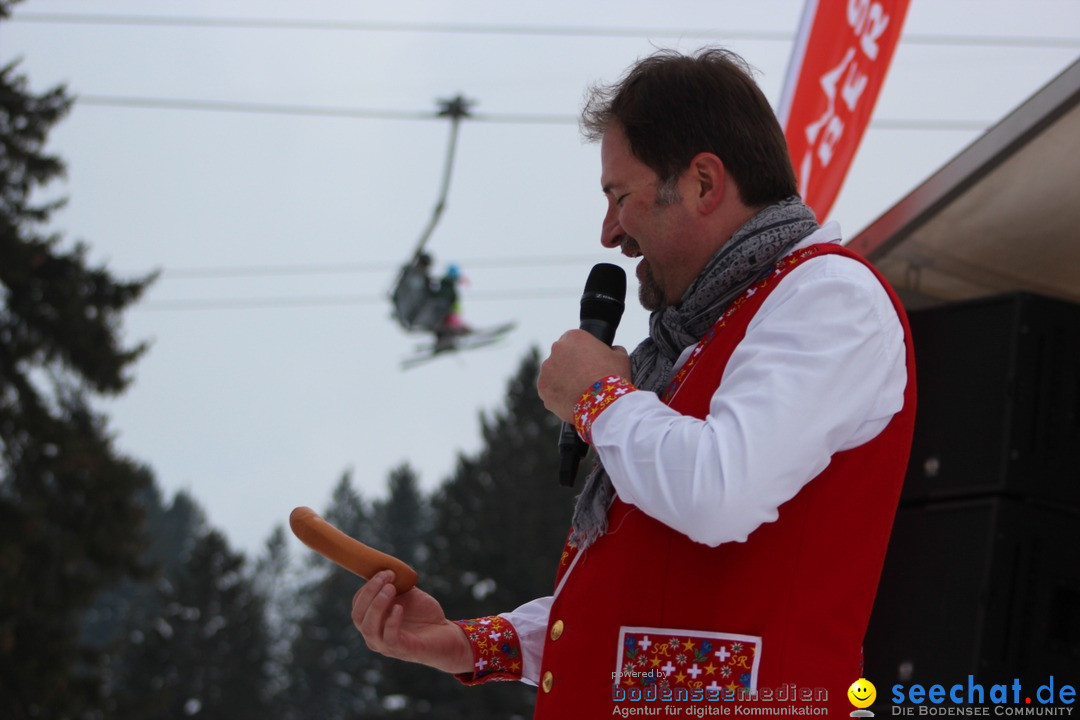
(139, 607)
(499, 526)
(119, 620)
(207, 652)
(277, 583)
(489, 540)
(402, 522)
(333, 674)
(501, 520)
(401, 526)
(69, 518)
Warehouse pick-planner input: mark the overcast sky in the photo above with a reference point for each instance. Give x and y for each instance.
(277, 161)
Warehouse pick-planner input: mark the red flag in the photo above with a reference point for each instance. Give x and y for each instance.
(837, 68)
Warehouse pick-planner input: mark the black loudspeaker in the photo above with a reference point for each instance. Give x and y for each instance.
(988, 587)
(982, 575)
(998, 407)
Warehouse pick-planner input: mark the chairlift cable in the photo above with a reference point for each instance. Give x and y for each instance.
(455, 109)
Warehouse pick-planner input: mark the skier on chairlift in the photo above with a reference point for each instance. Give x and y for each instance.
(424, 304)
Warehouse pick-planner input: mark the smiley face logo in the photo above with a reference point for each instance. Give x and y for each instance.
(862, 693)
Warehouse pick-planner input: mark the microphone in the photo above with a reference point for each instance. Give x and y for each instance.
(602, 305)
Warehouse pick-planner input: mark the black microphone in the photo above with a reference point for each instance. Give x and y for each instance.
(602, 306)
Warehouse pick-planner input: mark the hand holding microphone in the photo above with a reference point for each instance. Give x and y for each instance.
(581, 357)
(577, 360)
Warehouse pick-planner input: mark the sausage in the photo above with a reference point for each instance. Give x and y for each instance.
(353, 555)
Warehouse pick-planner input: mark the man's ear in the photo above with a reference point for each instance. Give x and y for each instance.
(709, 178)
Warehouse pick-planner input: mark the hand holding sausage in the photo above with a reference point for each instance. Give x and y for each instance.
(409, 627)
(396, 618)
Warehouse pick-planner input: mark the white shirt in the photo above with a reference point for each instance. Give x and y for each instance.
(821, 369)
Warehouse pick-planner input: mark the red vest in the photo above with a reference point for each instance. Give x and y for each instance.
(665, 617)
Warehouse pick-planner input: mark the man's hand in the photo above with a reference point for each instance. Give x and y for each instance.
(577, 360)
(410, 626)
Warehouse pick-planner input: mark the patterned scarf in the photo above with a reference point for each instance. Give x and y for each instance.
(742, 261)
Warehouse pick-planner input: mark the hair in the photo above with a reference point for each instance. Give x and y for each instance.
(673, 106)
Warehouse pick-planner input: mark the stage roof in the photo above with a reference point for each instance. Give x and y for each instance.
(1003, 215)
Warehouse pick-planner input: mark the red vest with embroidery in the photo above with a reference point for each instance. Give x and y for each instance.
(649, 617)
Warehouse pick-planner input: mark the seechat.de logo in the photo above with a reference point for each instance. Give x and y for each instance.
(1053, 697)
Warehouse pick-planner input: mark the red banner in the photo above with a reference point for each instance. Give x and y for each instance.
(837, 68)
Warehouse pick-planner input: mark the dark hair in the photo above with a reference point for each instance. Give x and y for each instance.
(673, 106)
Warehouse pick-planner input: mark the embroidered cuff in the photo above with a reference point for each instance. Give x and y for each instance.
(496, 650)
(594, 400)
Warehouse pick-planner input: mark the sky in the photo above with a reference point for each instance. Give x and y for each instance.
(277, 161)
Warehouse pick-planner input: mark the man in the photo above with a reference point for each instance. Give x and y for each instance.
(751, 449)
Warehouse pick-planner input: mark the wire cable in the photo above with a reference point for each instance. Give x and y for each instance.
(401, 27)
(311, 110)
(310, 301)
(932, 39)
(248, 271)
(378, 114)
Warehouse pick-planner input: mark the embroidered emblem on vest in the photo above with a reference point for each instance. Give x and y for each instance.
(703, 664)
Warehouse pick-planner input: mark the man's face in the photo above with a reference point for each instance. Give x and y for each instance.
(643, 224)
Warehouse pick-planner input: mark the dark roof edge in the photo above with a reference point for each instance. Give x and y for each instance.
(973, 163)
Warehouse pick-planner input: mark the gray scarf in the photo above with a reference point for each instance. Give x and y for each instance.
(742, 261)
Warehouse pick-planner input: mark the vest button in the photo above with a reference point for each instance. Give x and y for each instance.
(557, 630)
(547, 682)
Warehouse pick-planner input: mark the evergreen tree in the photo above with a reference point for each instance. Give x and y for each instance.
(501, 520)
(171, 530)
(401, 523)
(402, 527)
(69, 518)
(277, 583)
(333, 676)
(207, 653)
(488, 541)
(499, 526)
(121, 616)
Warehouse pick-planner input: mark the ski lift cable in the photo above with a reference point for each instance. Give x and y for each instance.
(455, 108)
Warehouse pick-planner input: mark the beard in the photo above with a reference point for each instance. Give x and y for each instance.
(650, 295)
